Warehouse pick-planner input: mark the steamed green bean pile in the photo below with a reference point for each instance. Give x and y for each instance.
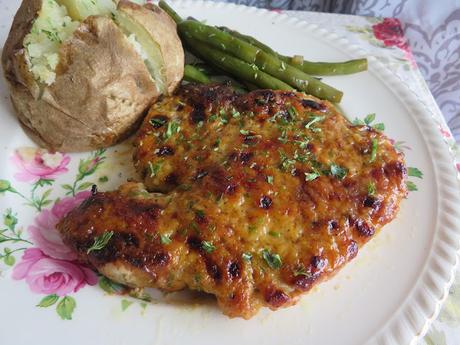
(253, 63)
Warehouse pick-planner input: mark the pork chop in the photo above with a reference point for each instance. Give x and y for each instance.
(262, 196)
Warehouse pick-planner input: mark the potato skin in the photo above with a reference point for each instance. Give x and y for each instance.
(163, 30)
(101, 92)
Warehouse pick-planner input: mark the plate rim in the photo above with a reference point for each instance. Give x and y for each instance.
(423, 303)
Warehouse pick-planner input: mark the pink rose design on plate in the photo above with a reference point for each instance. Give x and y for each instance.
(35, 164)
(50, 269)
(46, 275)
(44, 234)
(390, 32)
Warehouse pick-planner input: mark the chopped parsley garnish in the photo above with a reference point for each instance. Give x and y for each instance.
(235, 113)
(154, 168)
(165, 239)
(292, 112)
(157, 121)
(100, 241)
(299, 157)
(246, 256)
(207, 246)
(303, 142)
(283, 137)
(252, 228)
(173, 128)
(375, 145)
(274, 234)
(301, 271)
(338, 171)
(314, 119)
(212, 118)
(270, 179)
(311, 176)
(286, 162)
(371, 189)
(244, 132)
(273, 260)
(414, 172)
(411, 186)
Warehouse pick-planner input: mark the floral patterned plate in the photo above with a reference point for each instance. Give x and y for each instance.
(387, 295)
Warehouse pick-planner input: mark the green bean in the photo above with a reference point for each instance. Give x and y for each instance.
(309, 67)
(192, 31)
(193, 74)
(173, 14)
(237, 68)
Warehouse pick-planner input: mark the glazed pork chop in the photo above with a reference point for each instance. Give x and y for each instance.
(256, 198)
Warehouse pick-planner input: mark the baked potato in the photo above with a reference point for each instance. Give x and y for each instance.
(83, 72)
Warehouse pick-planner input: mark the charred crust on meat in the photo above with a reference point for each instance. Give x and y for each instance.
(233, 269)
(352, 249)
(371, 202)
(265, 202)
(198, 114)
(93, 190)
(363, 228)
(318, 263)
(275, 297)
(172, 179)
(308, 103)
(194, 242)
(161, 258)
(164, 151)
(213, 269)
(200, 174)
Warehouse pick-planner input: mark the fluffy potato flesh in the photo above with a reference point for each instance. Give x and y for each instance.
(81, 9)
(50, 29)
(153, 58)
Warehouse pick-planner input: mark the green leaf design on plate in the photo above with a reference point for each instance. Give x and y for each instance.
(48, 301)
(66, 307)
(84, 186)
(125, 304)
(4, 185)
(411, 186)
(414, 172)
(111, 287)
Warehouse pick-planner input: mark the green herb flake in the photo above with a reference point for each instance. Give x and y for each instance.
(274, 234)
(157, 121)
(270, 179)
(358, 122)
(212, 118)
(165, 239)
(300, 271)
(414, 172)
(252, 228)
(374, 147)
(154, 168)
(292, 112)
(235, 113)
(411, 186)
(207, 246)
(173, 128)
(100, 241)
(369, 119)
(311, 176)
(314, 119)
(371, 189)
(246, 256)
(338, 171)
(244, 132)
(273, 260)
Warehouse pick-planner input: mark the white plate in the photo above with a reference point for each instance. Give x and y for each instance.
(387, 295)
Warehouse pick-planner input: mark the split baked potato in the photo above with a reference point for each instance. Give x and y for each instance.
(83, 72)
